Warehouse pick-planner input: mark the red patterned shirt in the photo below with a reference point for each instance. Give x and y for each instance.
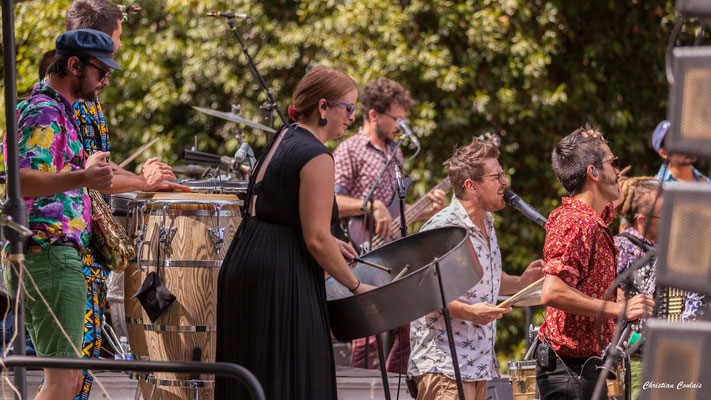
(358, 163)
(580, 250)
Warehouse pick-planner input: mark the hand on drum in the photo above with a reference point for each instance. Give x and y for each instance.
(346, 249)
(156, 175)
(483, 313)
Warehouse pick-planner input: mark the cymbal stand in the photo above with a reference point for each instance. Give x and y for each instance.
(270, 103)
(239, 133)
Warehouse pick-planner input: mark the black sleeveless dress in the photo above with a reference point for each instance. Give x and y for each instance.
(271, 309)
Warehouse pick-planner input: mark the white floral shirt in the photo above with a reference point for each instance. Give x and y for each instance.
(474, 343)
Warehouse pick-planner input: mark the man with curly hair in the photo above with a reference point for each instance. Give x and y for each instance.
(359, 159)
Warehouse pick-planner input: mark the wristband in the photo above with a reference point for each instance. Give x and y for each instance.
(355, 288)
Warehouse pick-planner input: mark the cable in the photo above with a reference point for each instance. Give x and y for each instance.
(51, 312)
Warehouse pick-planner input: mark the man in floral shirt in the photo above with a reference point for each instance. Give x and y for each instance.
(54, 174)
(479, 182)
(579, 254)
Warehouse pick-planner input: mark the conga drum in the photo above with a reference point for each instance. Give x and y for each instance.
(523, 379)
(186, 239)
(136, 229)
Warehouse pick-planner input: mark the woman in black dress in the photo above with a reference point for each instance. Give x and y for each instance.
(271, 313)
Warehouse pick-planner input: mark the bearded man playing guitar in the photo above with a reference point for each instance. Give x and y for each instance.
(359, 159)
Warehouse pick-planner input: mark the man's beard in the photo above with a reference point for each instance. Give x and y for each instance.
(381, 134)
(611, 182)
(80, 91)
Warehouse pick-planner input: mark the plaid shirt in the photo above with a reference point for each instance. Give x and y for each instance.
(358, 163)
(580, 250)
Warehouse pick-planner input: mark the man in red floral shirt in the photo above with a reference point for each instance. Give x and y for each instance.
(579, 255)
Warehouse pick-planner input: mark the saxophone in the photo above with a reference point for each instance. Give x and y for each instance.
(108, 238)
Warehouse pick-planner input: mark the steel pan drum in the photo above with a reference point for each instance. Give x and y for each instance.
(396, 303)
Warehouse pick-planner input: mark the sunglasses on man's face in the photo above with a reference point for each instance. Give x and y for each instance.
(103, 73)
(614, 162)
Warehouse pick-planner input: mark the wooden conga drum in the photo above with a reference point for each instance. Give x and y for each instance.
(132, 282)
(186, 240)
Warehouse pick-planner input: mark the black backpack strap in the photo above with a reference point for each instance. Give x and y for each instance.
(637, 241)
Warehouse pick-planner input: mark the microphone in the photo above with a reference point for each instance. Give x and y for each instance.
(226, 14)
(405, 127)
(242, 153)
(514, 201)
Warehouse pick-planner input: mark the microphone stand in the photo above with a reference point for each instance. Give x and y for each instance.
(367, 208)
(401, 198)
(270, 104)
(370, 196)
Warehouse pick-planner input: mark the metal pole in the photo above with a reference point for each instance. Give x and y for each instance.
(14, 208)
(383, 372)
(235, 371)
(450, 335)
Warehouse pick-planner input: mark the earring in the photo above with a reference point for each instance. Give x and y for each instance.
(322, 121)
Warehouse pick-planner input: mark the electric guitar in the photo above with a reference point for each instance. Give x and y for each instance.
(359, 233)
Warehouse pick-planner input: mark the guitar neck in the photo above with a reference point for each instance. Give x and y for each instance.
(415, 211)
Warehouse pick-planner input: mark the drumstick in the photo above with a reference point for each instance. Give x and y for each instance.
(374, 265)
(402, 272)
(138, 153)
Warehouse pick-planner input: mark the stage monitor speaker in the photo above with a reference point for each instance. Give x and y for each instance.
(690, 102)
(694, 8)
(684, 238)
(677, 361)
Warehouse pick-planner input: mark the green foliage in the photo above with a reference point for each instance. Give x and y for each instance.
(529, 70)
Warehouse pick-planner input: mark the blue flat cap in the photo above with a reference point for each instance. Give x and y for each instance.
(88, 42)
(658, 136)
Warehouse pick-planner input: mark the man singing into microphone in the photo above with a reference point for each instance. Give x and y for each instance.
(358, 160)
(478, 182)
(579, 255)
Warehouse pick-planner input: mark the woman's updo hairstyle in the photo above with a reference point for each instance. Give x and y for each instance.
(319, 83)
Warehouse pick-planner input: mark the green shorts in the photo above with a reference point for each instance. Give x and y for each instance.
(57, 271)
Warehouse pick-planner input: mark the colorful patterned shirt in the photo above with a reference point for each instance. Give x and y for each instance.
(475, 343)
(580, 250)
(92, 126)
(95, 137)
(48, 140)
(629, 252)
(358, 163)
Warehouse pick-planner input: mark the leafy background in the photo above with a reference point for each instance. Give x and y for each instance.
(528, 70)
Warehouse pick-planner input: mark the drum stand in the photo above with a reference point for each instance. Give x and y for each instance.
(450, 335)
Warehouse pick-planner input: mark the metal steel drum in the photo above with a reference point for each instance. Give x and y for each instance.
(396, 303)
